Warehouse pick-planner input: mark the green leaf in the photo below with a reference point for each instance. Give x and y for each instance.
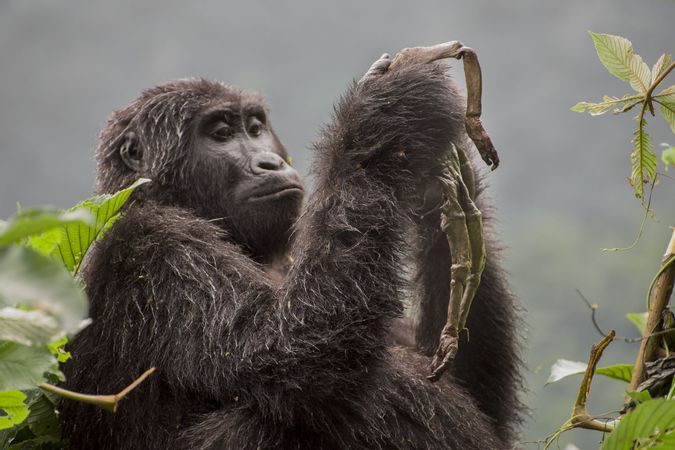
(643, 160)
(666, 100)
(28, 222)
(668, 113)
(641, 77)
(660, 64)
(616, 54)
(7, 436)
(668, 155)
(621, 372)
(69, 244)
(28, 327)
(14, 409)
(43, 420)
(639, 320)
(564, 368)
(667, 95)
(28, 278)
(596, 109)
(22, 367)
(57, 349)
(639, 396)
(649, 425)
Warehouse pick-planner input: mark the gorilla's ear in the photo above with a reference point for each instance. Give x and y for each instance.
(131, 151)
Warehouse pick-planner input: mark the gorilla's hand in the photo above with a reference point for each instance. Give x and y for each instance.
(422, 55)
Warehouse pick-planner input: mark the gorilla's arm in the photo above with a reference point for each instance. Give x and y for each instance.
(371, 166)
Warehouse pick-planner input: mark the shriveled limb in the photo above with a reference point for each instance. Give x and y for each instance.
(462, 223)
(474, 89)
(461, 220)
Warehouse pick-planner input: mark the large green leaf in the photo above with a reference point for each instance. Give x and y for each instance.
(643, 160)
(616, 54)
(564, 368)
(649, 425)
(13, 409)
(70, 243)
(22, 367)
(28, 327)
(28, 222)
(30, 279)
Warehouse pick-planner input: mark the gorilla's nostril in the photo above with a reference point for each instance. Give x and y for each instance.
(267, 161)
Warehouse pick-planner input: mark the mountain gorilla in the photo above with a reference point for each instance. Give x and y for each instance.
(273, 326)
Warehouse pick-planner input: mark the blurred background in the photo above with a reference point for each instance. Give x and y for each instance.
(561, 189)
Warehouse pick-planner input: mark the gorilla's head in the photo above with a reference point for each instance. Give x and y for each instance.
(210, 148)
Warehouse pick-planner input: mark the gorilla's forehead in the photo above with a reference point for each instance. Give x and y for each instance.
(200, 92)
(234, 107)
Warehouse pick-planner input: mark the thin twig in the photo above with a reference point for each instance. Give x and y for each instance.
(594, 307)
(580, 417)
(107, 402)
(642, 225)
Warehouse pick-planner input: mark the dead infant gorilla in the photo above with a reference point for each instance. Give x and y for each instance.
(272, 328)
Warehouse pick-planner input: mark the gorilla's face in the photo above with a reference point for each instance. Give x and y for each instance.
(208, 148)
(243, 173)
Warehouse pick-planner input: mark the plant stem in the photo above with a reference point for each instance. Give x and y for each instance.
(107, 402)
(580, 417)
(658, 300)
(659, 79)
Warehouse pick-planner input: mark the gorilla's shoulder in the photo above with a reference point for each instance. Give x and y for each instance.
(154, 223)
(148, 235)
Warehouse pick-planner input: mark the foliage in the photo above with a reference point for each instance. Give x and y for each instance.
(668, 155)
(638, 319)
(650, 425)
(616, 54)
(651, 421)
(564, 368)
(69, 243)
(41, 304)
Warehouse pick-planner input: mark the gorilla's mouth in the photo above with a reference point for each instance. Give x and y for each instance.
(276, 192)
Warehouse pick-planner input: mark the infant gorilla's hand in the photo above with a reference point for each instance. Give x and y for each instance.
(378, 68)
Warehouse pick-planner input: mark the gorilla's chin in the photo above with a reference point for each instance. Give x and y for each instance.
(263, 225)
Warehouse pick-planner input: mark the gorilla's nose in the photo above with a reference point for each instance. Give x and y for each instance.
(266, 162)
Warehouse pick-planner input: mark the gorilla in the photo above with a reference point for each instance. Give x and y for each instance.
(275, 323)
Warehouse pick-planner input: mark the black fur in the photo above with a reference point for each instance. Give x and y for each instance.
(247, 362)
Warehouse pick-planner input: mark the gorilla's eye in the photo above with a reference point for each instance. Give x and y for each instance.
(222, 132)
(255, 127)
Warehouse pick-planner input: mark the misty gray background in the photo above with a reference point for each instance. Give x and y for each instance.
(560, 190)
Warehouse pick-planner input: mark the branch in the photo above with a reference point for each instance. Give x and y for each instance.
(658, 296)
(107, 402)
(580, 417)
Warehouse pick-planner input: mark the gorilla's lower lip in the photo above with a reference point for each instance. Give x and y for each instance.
(276, 194)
